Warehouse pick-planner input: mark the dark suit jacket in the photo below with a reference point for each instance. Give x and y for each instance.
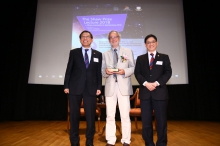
(161, 72)
(77, 77)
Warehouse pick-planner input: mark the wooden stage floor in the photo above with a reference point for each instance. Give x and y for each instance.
(54, 133)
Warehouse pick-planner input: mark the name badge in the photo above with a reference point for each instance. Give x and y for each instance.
(159, 63)
(95, 59)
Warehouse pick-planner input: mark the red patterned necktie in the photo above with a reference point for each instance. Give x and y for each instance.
(151, 60)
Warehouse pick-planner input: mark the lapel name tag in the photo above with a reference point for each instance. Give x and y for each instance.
(159, 63)
(95, 59)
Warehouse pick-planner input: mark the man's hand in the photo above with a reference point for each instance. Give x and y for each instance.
(108, 71)
(151, 86)
(120, 72)
(155, 84)
(66, 91)
(98, 92)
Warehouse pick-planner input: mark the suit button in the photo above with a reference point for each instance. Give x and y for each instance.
(150, 75)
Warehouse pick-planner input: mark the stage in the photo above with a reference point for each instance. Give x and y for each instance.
(54, 133)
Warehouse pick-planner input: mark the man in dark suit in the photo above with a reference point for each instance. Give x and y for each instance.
(152, 71)
(83, 80)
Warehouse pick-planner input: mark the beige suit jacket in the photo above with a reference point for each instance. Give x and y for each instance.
(124, 81)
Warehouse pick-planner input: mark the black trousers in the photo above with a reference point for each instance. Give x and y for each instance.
(90, 112)
(160, 112)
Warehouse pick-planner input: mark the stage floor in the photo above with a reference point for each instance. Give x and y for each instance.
(54, 133)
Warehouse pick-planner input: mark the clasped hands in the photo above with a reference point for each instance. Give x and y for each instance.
(151, 86)
(120, 71)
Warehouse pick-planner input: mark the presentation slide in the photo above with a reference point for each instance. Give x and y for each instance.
(59, 23)
(101, 18)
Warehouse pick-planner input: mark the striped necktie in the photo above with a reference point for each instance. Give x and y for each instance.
(86, 59)
(151, 61)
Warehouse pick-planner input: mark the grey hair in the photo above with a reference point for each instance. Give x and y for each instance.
(114, 31)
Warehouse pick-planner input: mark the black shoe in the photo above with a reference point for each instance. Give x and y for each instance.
(109, 145)
(89, 145)
(125, 144)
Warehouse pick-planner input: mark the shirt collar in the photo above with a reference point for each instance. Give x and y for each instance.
(87, 48)
(118, 49)
(153, 53)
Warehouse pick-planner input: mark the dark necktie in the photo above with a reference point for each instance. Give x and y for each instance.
(151, 60)
(86, 59)
(115, 63)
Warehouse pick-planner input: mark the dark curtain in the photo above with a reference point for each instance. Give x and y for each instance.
(19, 100)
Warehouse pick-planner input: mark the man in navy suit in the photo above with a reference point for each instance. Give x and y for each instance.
(83, 81)
(152, 71)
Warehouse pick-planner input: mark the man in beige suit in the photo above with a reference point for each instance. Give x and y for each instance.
(117, 67)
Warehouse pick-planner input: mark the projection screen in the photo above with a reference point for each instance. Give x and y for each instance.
(59, 23)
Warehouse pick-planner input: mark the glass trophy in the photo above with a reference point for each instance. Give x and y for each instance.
(112, 68)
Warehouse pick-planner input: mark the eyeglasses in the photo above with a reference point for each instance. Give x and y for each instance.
(113, 37)
(83, 37)
(153, 42)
